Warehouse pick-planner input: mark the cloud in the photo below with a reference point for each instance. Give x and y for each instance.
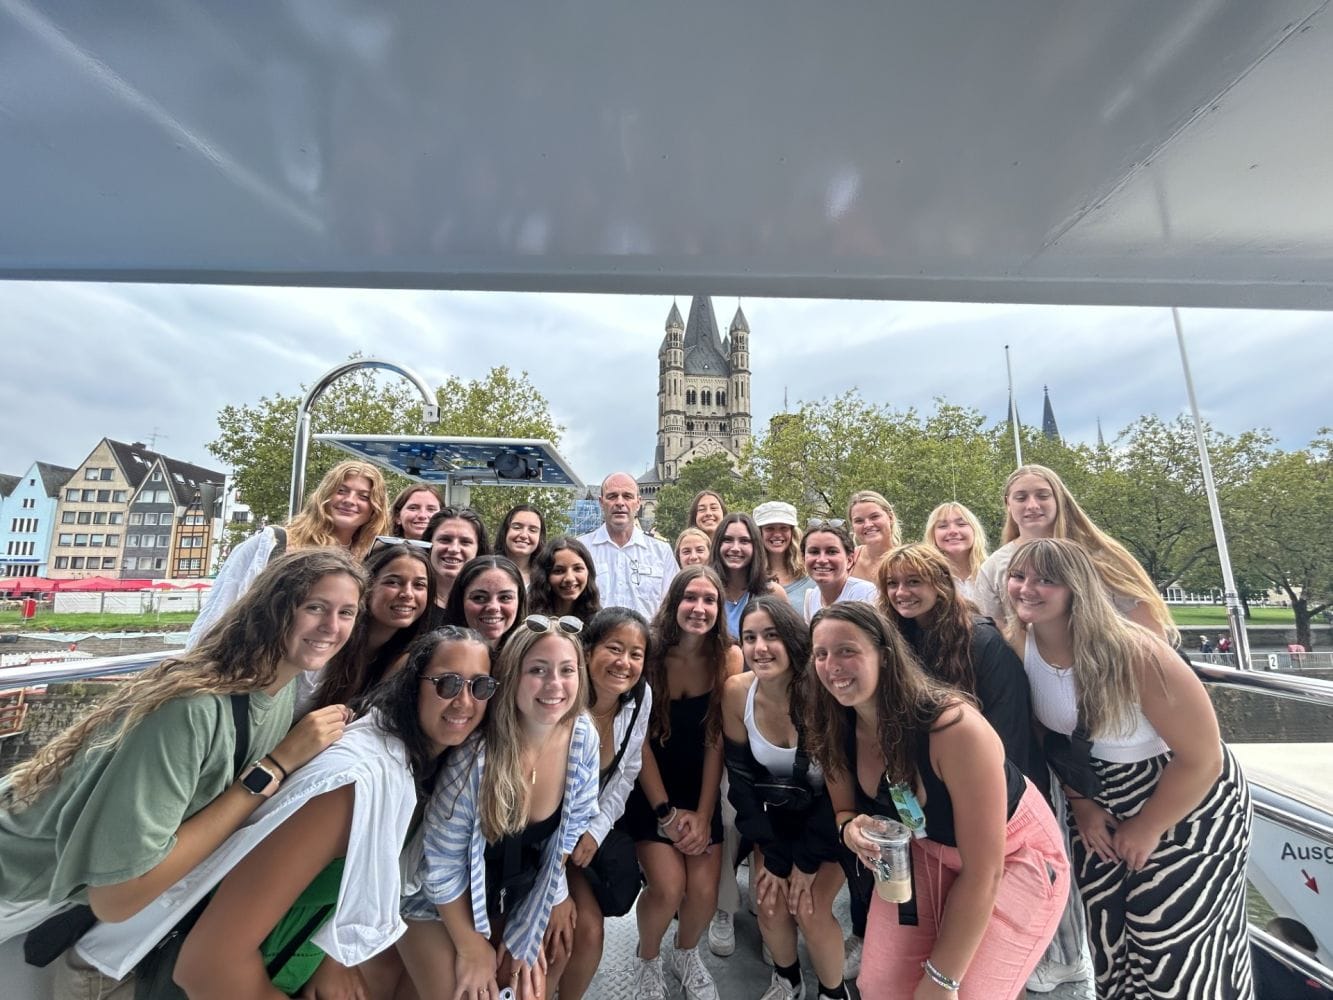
(91, 360)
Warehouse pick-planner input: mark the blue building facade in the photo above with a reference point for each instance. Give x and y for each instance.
(27, 518)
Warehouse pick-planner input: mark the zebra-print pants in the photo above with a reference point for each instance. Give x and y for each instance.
(1177, 928)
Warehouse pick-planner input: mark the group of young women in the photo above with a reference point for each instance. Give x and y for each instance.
(486, 764)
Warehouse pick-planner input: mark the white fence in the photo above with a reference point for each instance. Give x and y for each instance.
(136, 602)
(26, 659)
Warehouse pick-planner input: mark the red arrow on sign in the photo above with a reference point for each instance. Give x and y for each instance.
(1310, 882)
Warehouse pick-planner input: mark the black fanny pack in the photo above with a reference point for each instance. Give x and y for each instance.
(790, 794)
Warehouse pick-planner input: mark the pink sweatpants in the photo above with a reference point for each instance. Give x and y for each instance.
(1032, 895)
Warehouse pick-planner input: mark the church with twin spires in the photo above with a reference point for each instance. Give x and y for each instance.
(703, 393)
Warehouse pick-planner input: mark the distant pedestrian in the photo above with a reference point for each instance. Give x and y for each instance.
(1224, 643)
(1205, 646)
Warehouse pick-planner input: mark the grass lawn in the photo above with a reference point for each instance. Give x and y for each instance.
(1216, 614)
(50, 622)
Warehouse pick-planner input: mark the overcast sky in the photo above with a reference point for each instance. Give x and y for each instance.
(83, 361)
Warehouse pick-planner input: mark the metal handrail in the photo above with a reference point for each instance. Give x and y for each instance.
(56, 673)
(1309, 689)
(1294, 957)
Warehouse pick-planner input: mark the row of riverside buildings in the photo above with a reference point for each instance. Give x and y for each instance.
(125, 512)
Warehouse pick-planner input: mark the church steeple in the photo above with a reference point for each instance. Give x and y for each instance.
(1048, 426)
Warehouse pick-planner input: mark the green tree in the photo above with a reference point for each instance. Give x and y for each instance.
(255, 439)
(1280, 529)
(711, 472)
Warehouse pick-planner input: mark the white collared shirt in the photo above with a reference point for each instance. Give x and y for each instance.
(634, 575)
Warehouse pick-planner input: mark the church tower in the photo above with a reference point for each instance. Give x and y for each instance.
(738, 357)
(670, 397)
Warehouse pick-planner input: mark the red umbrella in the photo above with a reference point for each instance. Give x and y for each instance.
(161, 585)
(23, 584)
(199, 586)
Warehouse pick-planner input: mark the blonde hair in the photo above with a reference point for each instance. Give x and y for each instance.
(691, 533)
(240, 653)
(791, 559)
(313, 526)
(978, 554)
(503, 800)
(870, 496)
(1106, 646)
(1120, 572)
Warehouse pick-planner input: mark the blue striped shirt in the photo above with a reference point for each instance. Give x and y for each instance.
(454, 849)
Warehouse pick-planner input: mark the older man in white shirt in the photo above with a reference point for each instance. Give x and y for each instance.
(633, 569)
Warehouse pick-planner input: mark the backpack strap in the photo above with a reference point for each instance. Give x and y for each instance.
(280, 534)
(624, 744)
(240, 716)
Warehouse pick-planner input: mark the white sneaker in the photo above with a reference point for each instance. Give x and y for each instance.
(851, 966)
(649, 983)
(780, 989)
(722, 934)
(1048, 975)
(693, 975)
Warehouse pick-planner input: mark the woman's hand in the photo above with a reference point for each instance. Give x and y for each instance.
(853, 835)
(800, 893)
(474, 969)
(769, 891)
(691, 832)
(312, 734)
(558, 943)
(1134, 840)
(527, 981)
(333, 981)
(583, 851)
(928, 989)
(1097, 828)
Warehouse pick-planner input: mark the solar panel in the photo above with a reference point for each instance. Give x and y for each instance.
(474, 461)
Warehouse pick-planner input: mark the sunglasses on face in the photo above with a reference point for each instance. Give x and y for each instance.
(384, 541)
(815, 523)
(451, 685)
(567, 624)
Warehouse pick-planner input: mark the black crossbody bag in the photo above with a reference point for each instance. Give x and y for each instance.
(613, 873)
(789, 794)
(53, 936)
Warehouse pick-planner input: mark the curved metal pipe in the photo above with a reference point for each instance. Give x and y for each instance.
(430, 413)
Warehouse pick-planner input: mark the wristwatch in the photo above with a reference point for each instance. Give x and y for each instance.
(259, 780)
(662, 811)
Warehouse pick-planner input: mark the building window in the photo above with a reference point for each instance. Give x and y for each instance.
(29, 503)
(192, 542)
(103, 496)
(76, 562)
(118, 496)
(108, 562)
(721, 399)
(159, 564)
(80, 539)
(92, 474)
(162, 496)
(97, 541)
(99, 517)
(117, 517)
(136, 519)
(163, 541)
(157, 476)
(107, 475)
(67, 517)
(66, 539)
(132, 541)
(113, 539)
(62, 562)
(195, 519)
(131, 563)
(89, 496)
(150, 519)
(240, 517)
(71, 496)
(85, 517)
(164, 518)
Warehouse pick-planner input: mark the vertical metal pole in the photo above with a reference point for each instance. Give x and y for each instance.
(1013, 411)
(1240, 641)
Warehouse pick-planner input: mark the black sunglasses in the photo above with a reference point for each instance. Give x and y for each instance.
(567, 624)
(451, 685)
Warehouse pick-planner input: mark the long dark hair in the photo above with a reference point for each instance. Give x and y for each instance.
(453, 609)
(502, 532)
(667, 633)
(602, 625)
(542, 598)
(354, 671)
(942, 637)
(756, 580)
(794, 635)
(397, 700)
(908, 701)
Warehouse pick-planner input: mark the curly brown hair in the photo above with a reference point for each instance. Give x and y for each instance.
(942, 637)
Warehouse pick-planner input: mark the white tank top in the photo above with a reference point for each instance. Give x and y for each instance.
(1055, 704)
(777, 761)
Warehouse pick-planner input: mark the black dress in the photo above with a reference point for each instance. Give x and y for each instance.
(681, 763)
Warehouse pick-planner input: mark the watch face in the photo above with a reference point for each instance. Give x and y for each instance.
(257, 780)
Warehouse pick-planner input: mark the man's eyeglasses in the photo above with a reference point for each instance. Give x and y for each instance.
(447, 686)
(384, 541)
(567, 624)
(815, 523)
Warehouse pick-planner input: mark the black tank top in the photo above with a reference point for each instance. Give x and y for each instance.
(939, 804)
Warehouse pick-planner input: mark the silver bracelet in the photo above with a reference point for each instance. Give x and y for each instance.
(939, 978)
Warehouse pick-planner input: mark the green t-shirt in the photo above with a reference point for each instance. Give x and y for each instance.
(114, 813)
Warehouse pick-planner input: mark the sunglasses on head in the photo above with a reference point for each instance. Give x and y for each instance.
(567, 624)
(384, 541)
(451, 685)
(815, 523)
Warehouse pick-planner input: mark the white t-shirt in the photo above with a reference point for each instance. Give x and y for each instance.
(855, 589)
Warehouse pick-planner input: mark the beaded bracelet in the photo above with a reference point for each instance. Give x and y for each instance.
(939, 978)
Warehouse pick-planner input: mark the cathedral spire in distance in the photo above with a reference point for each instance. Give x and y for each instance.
(1048, 425)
